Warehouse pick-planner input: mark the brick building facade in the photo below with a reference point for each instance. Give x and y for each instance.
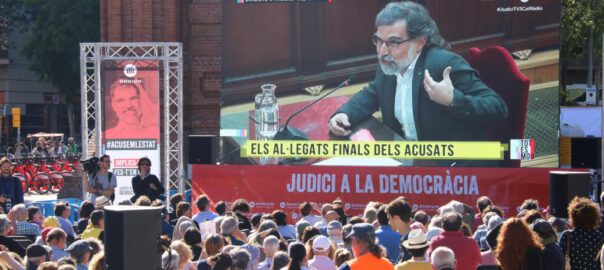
(195, 23)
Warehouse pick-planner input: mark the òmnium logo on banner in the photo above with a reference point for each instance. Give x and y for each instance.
(130, 70)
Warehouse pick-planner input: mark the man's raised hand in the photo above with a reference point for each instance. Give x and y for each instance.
(439, 92)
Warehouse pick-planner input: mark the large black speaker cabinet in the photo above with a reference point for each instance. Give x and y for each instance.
(203, 149)
(563, 187)
(586, 153)
(132, 237)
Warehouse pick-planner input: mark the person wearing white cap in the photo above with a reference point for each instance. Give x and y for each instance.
(417, 245)
(321, 247)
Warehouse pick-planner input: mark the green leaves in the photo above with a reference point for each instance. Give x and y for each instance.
(56, 29)
(577, 17)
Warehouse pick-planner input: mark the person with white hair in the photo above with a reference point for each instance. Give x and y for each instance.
(435, 228)
(181, 226)
(334, 233)
(169, 261)
(481, 231)
(446, 209)
(11, 244)
(23, 226)
(270, 247)
(184, 255)
(443, 258)
(230, 230)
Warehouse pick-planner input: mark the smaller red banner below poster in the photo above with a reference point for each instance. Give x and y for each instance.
(285, 187)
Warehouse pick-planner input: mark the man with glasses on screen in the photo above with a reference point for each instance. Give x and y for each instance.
(425, 92)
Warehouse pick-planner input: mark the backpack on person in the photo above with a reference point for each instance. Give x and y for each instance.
(109, 176)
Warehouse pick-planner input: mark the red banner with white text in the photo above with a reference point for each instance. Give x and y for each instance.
(269, 188)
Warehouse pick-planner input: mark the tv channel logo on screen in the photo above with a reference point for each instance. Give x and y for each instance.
(522, 149)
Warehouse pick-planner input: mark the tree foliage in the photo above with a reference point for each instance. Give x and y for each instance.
(577, 17)
(10, 17)
(52, 46)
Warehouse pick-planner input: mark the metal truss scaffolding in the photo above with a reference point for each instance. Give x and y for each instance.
(169, 55)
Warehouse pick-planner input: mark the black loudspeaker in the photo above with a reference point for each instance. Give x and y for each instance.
(586, 153)
(563, 187)
(132, 237)
(203, 149)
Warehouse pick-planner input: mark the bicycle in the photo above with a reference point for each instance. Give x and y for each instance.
(31, 177)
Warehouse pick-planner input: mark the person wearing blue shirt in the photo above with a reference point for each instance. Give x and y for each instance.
(11, 191)
(204, 205)
(166, 228)
(62, 212)
(387, 237)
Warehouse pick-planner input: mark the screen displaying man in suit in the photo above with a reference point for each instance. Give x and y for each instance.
(424, 91)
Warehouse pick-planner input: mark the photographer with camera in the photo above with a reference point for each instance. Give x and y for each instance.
(100, 181)
(11, 191)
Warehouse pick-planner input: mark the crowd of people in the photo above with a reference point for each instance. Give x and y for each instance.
(386, 236)
(43, 147)
(228, 236)
(392, 236)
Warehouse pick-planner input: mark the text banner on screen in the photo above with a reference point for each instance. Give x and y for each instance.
(285, 187)
(399, 150)
(131, 119)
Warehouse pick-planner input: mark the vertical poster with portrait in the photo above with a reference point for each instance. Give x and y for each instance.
(130, 119)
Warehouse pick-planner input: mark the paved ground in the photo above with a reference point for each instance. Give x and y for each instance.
(32, 197)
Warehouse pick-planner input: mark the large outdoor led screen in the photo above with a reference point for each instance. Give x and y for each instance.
(437, 83)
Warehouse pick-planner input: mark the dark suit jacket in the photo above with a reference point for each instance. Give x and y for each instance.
(474, 103)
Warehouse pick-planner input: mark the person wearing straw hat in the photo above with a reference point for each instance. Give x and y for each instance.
(417, 244)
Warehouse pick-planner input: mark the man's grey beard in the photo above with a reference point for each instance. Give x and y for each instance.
(392, 67)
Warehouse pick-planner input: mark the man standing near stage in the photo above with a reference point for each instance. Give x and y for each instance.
(101, 183)
(424, 92)
(11, 190)
(399, 216)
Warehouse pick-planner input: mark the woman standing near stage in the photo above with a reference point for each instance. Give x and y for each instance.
(582, 244)
(146, 183)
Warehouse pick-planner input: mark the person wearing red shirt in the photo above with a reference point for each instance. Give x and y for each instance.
(467, 252)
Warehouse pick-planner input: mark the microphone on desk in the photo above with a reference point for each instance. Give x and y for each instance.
(290, 133)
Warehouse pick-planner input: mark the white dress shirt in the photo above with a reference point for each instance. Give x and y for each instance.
(403, 102)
